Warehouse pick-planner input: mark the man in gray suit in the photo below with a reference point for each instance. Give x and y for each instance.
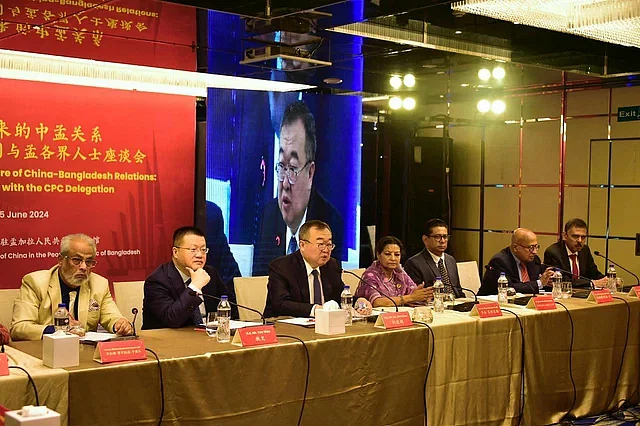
(433, 262)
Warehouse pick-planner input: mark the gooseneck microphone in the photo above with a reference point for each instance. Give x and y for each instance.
(383, 294)
(564, 271)
(475, 296)
(264, 321)
(534, 290)
(597, 253)
(134, 311)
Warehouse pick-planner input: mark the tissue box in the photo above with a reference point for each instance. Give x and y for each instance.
(330, 322)
(60, 350)
(46, 417)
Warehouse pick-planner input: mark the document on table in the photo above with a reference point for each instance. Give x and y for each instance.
(304, 322)
(93, 336)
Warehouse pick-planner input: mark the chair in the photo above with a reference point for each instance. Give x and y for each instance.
(469, 276)
(128, 295)
(352, 281)
(251, 292)
(6, 305)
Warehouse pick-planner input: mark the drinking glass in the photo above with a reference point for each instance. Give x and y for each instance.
(619, 284)
(423, 314)
(212, 324)
(567, 290)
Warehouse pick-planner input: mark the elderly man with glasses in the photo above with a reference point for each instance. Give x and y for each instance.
(173, 293)
(73, 283)
(521, 265)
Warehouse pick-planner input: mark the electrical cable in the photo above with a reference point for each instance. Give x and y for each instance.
(306, 381)
(573, 383)
(433, 351)
(521, 361)
(33, 384)
(161, 385)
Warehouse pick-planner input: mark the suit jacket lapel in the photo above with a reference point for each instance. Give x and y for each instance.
(431, 264)
(451, 266)
(54, 291)
(302, 278)
(176, 279)
(564, 256)
(84, 293)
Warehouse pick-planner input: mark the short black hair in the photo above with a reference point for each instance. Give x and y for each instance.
(299, 111)
(385, 241)
(183, 231)
(575, 223)
(303, 233)
(433, 223)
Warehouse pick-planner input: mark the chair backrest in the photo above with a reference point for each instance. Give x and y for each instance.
(129, 294)
(6, 305)
(469, 275)
(352, 281)
(251, 292)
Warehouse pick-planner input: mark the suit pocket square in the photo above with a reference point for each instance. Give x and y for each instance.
(93, 305)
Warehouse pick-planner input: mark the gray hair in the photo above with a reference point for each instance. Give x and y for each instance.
(65, 242)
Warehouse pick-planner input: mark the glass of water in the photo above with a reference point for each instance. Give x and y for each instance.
(423, 314)
(567, 289)
(212, 324)
(619, 284)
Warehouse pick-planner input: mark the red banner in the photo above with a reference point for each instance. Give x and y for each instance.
(139, 32)
(116, 165)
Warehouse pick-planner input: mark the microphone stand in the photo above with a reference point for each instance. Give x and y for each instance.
(264, 321)
(597, 253)
(372, 286)
(466, 306)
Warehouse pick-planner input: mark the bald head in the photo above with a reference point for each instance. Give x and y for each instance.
(524, 245)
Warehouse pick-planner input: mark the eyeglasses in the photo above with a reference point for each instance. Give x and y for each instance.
(531, 248)
(290, 172)
(322, 246)
(440, 238)
(194, 251)
(77, 261)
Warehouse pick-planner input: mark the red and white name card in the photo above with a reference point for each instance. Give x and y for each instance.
(4, 365)
(119, 350)
(600, 296)
(542, 303)
(635, 291)
(393, 320)
(486, 310)
(255, 336)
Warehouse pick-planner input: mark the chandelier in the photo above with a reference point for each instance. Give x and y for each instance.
(611, 21)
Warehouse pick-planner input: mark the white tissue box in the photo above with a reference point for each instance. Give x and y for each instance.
(60, 350)
(43, 417)
(330, 322)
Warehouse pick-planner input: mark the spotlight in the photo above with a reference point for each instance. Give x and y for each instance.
(498, 73)
(409, 80)
(409, 104)
(483, 106)
(484, 74)
(498, 107)
(395, 82)
(458, 32)
(395, 103)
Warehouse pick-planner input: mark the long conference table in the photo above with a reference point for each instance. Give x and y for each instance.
(367, 376)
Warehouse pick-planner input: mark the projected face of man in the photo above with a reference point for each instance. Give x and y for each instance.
(294, 198)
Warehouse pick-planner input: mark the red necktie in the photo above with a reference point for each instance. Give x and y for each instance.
(524, 273)
(574, 266)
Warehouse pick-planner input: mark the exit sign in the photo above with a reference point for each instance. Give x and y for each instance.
(631, 113)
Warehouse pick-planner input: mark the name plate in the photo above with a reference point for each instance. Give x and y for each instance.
(600, 296)
(393, 320)
(255, 336)
(635, 291)
(4, 365)
(542, 303)
(121, 350)
(486, 310)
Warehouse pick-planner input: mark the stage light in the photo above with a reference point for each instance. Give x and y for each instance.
(483, 106)
(395, 82)
(395, 103)
(498, 73)
(484, 74)
(498, 107)
(409, 80)
(409, 104)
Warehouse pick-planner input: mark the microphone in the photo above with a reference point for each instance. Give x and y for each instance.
(264, 321)
(597, 253)
(371, 286)
(534, 290)
(564, 271)
(5, 337)
(134, 311)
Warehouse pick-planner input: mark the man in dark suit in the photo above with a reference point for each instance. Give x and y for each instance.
(573, 254)
(173, 293)
(220, 256)
(305, 279)
(521, 265)
(297, 200)
(433, 262)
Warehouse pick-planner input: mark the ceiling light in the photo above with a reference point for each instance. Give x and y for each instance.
(484, 74)
(375, 98)
(395, 103)
(409, 104)
(498, 73)
(464, 85)
(483, 106)
(458, 32)
(332, 80)
(441, 96)
(395, 82)
(409, 80)
(498, 107)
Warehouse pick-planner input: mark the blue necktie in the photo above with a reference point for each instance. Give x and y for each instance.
(293, 245)
(317, 290)
(196, 316)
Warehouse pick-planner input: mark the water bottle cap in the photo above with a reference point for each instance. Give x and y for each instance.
(346, 287)
(224, 297)
(438, 278)
(503, 273)
(62, 305)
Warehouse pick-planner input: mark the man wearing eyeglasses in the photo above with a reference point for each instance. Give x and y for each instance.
(433, 262)
(297, 201)
(73, 283)
(173, 293)
(521, 265)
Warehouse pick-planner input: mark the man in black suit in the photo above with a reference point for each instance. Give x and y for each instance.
(221, 257)
(305, 279)
(521, 265)
(297, 200)
(432, 261)
(573, 254)
(173, 292)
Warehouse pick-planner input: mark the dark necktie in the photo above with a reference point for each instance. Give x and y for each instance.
(196, 316)
(574, 266)
(317, 289)
(293, 245)
(444, 275)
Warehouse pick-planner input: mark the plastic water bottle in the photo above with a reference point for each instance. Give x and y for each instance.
(223, 334)
(556, 280)
(346, 301)
(503, 286)
(61, 318)
(611, 278)
(438, 295)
